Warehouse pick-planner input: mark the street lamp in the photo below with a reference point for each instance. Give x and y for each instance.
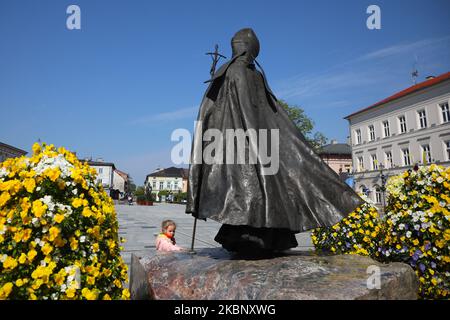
(383, 186)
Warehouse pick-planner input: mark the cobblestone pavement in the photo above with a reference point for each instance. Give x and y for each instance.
(140, 225)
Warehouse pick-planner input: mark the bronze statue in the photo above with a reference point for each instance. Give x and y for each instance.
(260, 210)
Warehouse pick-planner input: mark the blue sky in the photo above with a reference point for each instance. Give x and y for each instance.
(117, 88)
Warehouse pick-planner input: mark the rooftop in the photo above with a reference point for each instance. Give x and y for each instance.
(336, 148)
(417, 87)
(4, 145)
(171, 172)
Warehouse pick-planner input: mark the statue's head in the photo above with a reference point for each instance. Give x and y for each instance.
(245, 40)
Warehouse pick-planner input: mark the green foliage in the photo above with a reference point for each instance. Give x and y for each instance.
(305, 125)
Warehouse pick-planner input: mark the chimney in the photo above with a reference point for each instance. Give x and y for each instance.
(334, 141)
(430, 77)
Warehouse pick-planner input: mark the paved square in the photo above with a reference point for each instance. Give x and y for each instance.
(140, 225)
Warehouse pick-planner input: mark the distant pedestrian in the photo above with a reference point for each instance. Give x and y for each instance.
(166, 239)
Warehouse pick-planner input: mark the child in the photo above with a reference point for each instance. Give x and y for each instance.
(166, 239)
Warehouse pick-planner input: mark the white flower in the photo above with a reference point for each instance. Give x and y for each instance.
(3, 257)
(440, 180)
(401, 226)
(387, 253)
(75, 191)
(408, 234)
(35, 222)
(38, 189)
(63, 288)
(416, 227)
(3, 173)
(82, 239)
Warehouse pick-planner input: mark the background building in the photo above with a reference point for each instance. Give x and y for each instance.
(7, 151)
(409, 127)
(171, 179)
(121, 181)
(338, 156)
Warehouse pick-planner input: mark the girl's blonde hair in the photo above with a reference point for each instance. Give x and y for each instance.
(166, 223)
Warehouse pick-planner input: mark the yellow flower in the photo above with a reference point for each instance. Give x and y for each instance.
(118, 283)
(70, 293)
(4, 197)
(22, 258)
(36, 148)
(86, 212)
(53, 174)
(53, 232)
(46, 249)
(19, 282)
(38, 208)
(77, 202)
(31, 254)
(90, 280)
(125, 294)
(88, 294)
(9, 263)
(29, 184)
(6, 290)
(106, 297)
(73, 244)
(58, 217)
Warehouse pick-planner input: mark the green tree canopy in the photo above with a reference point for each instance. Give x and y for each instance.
(305, 125)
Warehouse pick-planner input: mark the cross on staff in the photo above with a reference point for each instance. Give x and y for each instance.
(215, 56)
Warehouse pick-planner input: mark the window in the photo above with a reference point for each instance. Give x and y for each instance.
(161, 185)
(100, 170)
(426, 154)
(358, 136)
(445, 112)
(360, 164)
(154, 184)
(371, 133)
(387, 132)
(447, 148)
(388, 158)
(422, 119)
(402, 121)
(377, 194)
(374, 162)
(406, 157)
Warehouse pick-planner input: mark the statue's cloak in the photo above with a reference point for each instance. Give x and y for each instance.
(304, 194)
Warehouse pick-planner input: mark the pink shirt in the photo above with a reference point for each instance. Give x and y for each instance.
(163, 243)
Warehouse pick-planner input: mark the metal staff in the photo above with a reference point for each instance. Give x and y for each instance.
(215, 58)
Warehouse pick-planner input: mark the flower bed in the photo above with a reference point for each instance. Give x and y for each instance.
(358, 233)
(417, 227)
(58, 230)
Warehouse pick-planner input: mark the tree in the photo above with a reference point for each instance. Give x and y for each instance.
(140, 191)
(305, 125)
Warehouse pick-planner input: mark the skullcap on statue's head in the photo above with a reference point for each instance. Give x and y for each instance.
(245, 40)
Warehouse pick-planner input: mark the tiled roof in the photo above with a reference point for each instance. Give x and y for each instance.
(336, 148)
(171, 172)
(13, 148)
(412, 89)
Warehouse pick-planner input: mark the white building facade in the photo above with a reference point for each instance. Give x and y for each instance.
(170, 179)
(408, 128)
(105, 172)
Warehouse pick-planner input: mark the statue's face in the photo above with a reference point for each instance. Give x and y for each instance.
(245, 40)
